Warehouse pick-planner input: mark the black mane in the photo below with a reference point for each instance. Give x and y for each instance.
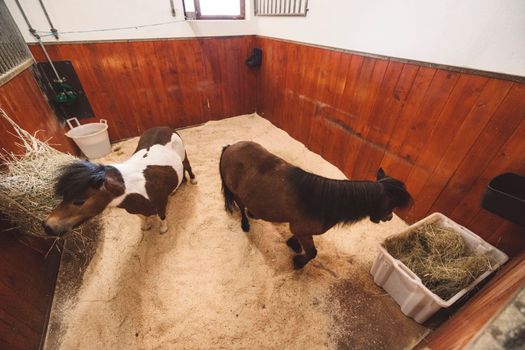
(342, 201)
(75, 178)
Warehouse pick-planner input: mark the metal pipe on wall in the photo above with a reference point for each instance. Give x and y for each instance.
(53, 29)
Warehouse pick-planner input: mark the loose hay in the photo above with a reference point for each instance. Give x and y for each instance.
(26, 183)
(439, 257)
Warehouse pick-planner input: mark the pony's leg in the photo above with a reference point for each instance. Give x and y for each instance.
(293, 243)
(163, 225)
(310, 252)
(187, 167)
(245, 225)
(163, 222)
(145, 223)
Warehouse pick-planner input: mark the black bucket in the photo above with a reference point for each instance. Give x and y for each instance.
(505, 196)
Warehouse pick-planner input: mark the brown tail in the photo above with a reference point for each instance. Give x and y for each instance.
(229, 202)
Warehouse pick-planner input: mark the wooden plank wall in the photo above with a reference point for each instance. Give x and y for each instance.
(444, 133)
(27, 282)
(140, 84)
(27, 276)
(23, 102)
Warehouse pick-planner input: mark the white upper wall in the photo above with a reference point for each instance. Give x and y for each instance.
(87, 15)
(480, 34)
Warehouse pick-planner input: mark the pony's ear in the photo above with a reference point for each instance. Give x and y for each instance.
(380, 174)
(113, 185)
(96, 182)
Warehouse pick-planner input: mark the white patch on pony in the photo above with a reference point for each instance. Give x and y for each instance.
(171, 154)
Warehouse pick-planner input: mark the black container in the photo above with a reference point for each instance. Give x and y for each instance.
(255, 60)
(505, 196)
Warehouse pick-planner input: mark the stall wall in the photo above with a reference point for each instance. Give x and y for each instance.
(444, 133)
(140, 84)
(94, 20)
(23, 101)
(28, 271)
(28, 267)
(478, 34)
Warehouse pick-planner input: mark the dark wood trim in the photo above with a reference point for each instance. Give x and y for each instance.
(489, 74)
(219, 37)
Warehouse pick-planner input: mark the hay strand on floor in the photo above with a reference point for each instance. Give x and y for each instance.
(439, 257)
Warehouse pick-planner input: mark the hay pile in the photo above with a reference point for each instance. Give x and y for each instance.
(439, 257)
(26, 182)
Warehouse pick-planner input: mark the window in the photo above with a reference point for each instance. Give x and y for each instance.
(214, 9)
(14, 54)
(289, 8)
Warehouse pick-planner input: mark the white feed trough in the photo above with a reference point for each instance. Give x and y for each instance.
(414, 298)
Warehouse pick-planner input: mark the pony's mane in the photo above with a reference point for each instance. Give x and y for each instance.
(334, 201)
(75, 178)
(342, 201)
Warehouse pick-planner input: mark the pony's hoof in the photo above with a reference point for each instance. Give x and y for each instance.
(299, 262)
(163, 229)
(194, 181)
(294, 245)
(146, 227)
(245, 226)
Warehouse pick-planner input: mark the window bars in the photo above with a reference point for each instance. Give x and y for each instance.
(14, 54)
(281, 8)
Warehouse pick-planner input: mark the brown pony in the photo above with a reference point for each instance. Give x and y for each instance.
(141, 185)
(269, 188)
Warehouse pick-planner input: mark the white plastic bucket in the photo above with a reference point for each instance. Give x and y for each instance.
(91, 138)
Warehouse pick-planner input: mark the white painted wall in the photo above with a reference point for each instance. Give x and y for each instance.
(87, 15)
(480, 34)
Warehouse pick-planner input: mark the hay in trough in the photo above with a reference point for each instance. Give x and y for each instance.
(439, 256)
(26, 183)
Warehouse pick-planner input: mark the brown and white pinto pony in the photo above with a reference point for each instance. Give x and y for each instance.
(141, 185)
(267, 187)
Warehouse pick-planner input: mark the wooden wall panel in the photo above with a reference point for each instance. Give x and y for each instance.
(444, 133)
(27, 282)
(23, 102)
(141, 84)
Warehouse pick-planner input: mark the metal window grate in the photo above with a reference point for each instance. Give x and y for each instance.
(281, 7)
(14, 54)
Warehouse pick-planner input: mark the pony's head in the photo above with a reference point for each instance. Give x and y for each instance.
(86, 190)
(395, 196)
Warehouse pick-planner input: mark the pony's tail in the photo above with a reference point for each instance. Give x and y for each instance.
(228, 195)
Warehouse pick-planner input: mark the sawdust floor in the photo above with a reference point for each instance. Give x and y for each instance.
(205, 284)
